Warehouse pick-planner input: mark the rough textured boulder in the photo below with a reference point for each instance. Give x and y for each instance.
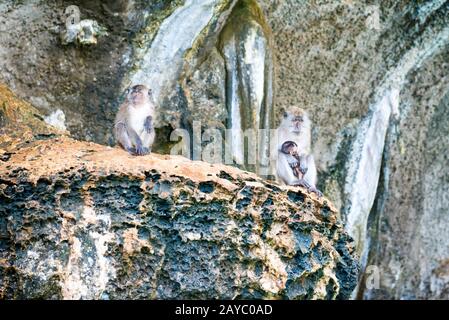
(20, 123)
(81, 220)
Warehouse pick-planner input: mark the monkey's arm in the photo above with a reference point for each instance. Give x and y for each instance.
(294, 164)
(148, 124)
(310, 175)
(303, 164)
(137, 142)
(122, 137)
(148, 135)
(147, 140)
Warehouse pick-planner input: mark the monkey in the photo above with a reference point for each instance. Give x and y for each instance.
(133, 126)
(295, 163)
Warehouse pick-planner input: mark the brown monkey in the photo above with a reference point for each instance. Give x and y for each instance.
(133, 128)
(295, 163)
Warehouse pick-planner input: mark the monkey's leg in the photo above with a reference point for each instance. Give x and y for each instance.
(122, 137)
(303, 183)
(148, 135)
(294, 164)
(303, 161)
(297, 172)
(136, 141)
(147, 141)
(311, 174)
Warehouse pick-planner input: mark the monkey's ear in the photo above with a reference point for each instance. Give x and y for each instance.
(150, 92)
(285, 113)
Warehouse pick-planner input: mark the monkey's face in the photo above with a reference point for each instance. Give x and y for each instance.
(139, 95)
(289, 147)
(293, 150)
(297, 123)
(295, 119)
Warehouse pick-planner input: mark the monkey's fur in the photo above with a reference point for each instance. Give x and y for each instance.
(133, 127)
(295, 164)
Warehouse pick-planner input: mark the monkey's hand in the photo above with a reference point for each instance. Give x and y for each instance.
(148, 124)
(303, 168)
(293, 162)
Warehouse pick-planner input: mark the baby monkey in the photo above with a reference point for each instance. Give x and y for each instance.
(133, 127)
(296, 171)
(294, 160)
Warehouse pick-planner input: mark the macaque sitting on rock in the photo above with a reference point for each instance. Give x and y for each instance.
(295, 163)
(133, 128)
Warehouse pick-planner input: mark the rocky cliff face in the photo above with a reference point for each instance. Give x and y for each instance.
(83, 221)
(372, 74)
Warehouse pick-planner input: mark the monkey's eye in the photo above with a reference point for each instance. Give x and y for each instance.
(150, 92)
(285, 114)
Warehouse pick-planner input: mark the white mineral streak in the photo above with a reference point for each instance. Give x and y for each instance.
(233, 98)
(428, 8)
(254, 59)
(274, 278)
(162, 62)
(73, 286)
(246, 70)
(191, 236)
(86, 277)
(104, 270)
(364, 169)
